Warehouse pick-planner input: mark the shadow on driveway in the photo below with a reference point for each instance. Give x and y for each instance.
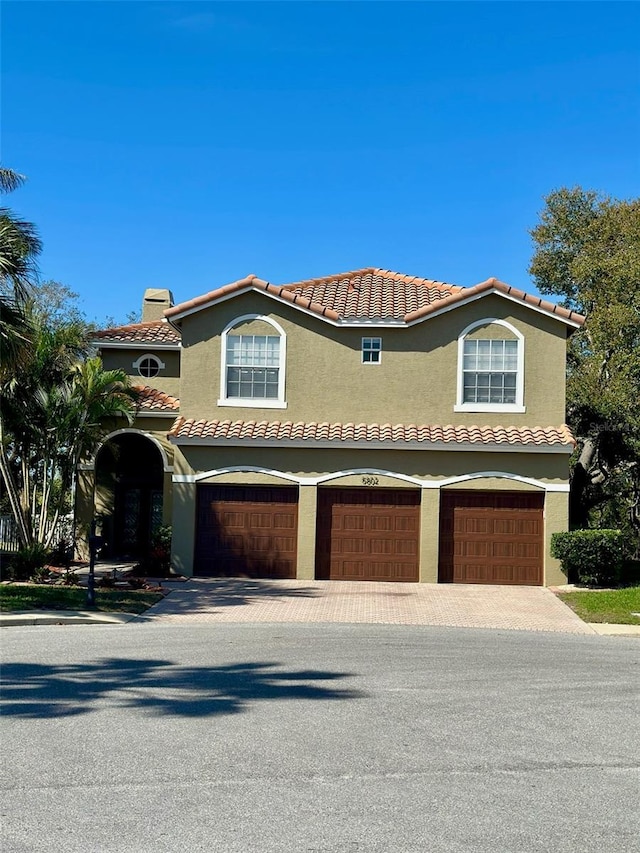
(205, 595)
(158, 687)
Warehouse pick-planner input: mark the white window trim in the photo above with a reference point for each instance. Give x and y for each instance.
(242, 403)
(518, 406)
(136, 364)
(379, 351)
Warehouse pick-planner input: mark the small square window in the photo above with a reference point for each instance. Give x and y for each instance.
(371, 350)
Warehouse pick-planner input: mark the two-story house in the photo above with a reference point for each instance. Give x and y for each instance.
(362, 426)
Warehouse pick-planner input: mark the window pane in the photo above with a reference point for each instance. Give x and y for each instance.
(248, 357)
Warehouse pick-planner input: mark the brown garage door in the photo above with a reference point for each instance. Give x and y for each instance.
(491, 537)
(246, 531)
(368, 534)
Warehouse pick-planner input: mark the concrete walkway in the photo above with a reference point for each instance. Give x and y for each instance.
(465, 606)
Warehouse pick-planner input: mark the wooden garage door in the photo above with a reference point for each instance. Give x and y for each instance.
(491, 537)
(368, 534)
(246, 531)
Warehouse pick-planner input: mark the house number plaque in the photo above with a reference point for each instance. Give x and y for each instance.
(370, 481)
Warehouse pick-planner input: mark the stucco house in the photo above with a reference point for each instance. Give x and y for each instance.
(362, 426)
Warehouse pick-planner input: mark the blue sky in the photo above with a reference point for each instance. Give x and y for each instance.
(187, 144)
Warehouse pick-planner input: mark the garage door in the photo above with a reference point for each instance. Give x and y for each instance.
(246, 531)
(368, 534)
(491, 537)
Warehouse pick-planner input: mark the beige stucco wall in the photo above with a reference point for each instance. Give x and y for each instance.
(415, 382)
(556, 520)
(312, 462)
(168, 380)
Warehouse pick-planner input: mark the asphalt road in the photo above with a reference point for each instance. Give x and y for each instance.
(317, 738)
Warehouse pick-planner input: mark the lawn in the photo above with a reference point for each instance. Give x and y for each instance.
(42, 597)
(615, 606)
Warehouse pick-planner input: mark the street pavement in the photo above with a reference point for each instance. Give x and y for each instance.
(332, 738)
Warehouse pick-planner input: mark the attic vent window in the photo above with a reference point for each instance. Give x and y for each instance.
(148, 366)
(371, 350)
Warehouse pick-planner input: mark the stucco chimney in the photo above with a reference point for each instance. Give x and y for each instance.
(156, 300)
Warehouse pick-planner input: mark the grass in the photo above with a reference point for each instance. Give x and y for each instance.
(41, 597)
(615, 606)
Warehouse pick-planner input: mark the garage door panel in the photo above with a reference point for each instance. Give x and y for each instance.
(491, 537)
(387, 547)
(242, 531)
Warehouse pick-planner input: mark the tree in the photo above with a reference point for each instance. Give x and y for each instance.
(54, 413)
(587, 251)
(19, 248)
(55, 398)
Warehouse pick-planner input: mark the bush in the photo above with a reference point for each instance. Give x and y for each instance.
(157, 563)
(591, 557)
(29, 560)
(41, 575)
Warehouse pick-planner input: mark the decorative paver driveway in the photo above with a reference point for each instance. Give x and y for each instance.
(464, 606)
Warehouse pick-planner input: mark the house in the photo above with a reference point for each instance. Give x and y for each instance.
(362, 426)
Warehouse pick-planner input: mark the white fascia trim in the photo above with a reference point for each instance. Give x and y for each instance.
(310, 444)
(518, 406)
(477, 296)
(280, 402)
(529, 481)
(134, 345)
(324, 478)
(380, 472)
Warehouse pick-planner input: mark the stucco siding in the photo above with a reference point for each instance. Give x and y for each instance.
(415, 382)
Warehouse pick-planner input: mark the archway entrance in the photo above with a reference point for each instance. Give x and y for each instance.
(129, 478)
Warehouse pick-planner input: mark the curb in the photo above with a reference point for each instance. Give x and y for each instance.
(609, 629)
(19, 618)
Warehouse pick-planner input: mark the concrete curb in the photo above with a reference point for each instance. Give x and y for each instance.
(19, 618)
(608, 629)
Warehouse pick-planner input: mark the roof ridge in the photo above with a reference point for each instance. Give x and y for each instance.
(127, 326)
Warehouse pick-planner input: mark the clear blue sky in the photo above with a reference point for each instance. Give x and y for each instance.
(185, 145)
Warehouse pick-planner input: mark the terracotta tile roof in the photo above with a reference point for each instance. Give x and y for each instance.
(153, 400)
(501, 287)
(157, 331)
(372, 294)
(401, 433)
(368, 293)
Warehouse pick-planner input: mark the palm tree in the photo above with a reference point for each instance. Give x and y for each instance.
(19, 247)
(54, 412)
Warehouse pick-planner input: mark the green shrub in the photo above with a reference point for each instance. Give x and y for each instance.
(40, 575)
(28, 560)
(591, 557)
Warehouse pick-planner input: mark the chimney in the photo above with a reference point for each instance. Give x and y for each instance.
(156, 301)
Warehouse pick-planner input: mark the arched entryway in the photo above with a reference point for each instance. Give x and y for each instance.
(129, 499)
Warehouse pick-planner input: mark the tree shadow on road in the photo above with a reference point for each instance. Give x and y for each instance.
(205, 595)
(158, 687)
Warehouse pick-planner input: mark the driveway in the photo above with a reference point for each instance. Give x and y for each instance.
(515, 608)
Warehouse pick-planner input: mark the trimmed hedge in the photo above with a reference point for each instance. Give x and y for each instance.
(591, 557)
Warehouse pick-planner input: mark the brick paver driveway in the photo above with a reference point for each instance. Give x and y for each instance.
(459, 605)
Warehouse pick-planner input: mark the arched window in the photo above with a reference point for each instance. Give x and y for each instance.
(148, 365)
(253, 356)
(490, 368)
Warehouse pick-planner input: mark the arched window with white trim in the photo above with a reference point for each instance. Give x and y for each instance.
(490, 368)
(253, 357)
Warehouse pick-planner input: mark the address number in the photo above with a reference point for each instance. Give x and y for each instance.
(370, 481)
